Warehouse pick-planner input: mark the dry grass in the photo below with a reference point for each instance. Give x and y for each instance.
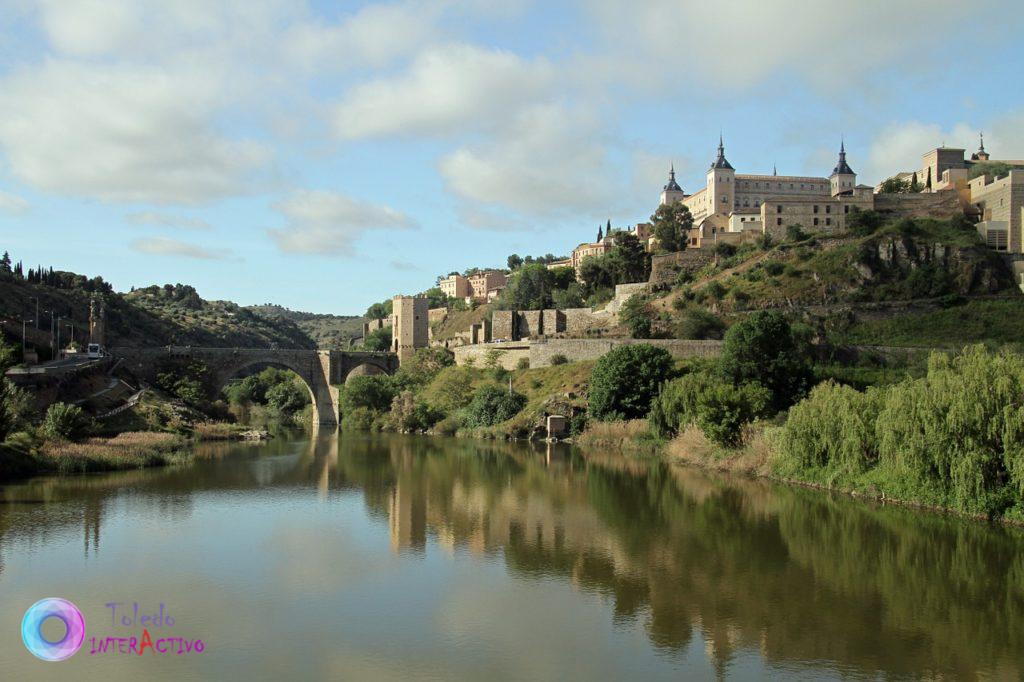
(622, 435)
(124, 451)
(754, 457)
(218, 431)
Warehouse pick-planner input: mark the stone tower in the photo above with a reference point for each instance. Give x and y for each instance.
(672, 192)
(409, 325)
(843, 179)
(97, 320)
(721, 183)
(981, 154)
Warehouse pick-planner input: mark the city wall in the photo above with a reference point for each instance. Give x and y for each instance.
(539, 353)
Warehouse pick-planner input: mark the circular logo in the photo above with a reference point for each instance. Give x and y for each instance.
(41, 612)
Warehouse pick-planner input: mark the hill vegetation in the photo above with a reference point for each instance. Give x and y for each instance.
(327, 331)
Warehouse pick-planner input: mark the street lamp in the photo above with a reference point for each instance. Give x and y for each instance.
(36, 299)
(24, 348)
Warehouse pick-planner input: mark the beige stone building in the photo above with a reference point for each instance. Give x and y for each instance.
(485, 285)
(409, 325)
(733, 207)
(456, 286)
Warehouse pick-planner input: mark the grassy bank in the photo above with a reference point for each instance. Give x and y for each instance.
(22, 455)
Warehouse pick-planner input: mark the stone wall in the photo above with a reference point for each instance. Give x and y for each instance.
(553, 321)
(509, 354)
(925, 205)
(528, 324)
(540, 353)
(666, 267)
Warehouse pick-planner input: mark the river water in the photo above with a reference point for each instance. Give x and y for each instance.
(402, 557)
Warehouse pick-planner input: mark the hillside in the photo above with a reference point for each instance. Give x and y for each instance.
(172, 314)
(327, 331)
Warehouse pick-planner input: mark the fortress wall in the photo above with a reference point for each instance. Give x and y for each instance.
(942, 204)
(591, 349)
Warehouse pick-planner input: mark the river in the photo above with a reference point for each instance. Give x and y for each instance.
(404, 557)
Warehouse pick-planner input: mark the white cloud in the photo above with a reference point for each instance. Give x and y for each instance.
(156, 219)
(164, 246)
(737, 43)
(323, 222)
(123, 134)
(12, 203)
(899, 146)
(548, 163)
(446, 90)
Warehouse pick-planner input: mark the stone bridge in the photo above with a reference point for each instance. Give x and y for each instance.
(321, 370)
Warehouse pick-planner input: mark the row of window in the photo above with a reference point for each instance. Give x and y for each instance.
(746, 184)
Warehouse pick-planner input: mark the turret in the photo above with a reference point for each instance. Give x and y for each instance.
(721, 184)
(843, 179)
(671, 192)
(981, 154)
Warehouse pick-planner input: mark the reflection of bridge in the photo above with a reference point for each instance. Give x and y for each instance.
(321, 370)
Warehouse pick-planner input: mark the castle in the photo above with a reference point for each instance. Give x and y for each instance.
(732, 204)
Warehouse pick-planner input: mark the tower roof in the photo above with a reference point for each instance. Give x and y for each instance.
(842, 168)
(720, 162)
(672, 184)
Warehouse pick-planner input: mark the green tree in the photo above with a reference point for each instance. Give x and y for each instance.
(762, 348)
(637, 318)
(514, 261)
(530, 288)
(374, 392)
(380, 311)
(436, 298)
(698, 323)
(630, 261)
(995, 169)
(492, 405)
(288, 397)
(378, 341)
(64, 422)
(671, 223)
(894, 185)
(626, 379)
(915, 186)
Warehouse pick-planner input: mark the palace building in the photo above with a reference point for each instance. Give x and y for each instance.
(732, 204)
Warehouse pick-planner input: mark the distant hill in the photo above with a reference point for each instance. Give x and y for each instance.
(327, 331)
(153, 316)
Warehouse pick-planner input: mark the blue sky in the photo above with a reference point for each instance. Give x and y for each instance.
(327, 155)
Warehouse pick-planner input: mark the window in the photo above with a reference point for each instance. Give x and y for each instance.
(846, 208)
(724, 199)
(815, 208)
(757, 203)
(828, 208)
(778, 209)
(791, 185)
(828, 221)
(778, 221)
(815, 221)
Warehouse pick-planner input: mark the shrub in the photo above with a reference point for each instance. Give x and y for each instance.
(492, 405)
(558, 359)
(374, 392)
(718, 407)
(15, 407)
(725, 250)
(359, 419)
(452, 389)
(795, 233)
(763, 348)
(864, 223)
(774, 268)
(723, 409)
(409, 414)
(64, 422)
(379, 340)
(626, 379)
(635, 316)
(698, 323)
(523, 363)
(423, 366)
(288, 397)
(716, 291)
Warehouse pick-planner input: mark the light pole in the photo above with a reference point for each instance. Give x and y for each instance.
(59, 353)
(36, 299)
(24, 348)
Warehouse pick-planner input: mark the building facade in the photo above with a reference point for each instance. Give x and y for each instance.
(455, 286)
(485, 285)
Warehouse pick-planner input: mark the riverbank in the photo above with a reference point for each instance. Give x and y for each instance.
(24, 454)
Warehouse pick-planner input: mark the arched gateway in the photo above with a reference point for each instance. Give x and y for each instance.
(322, 370)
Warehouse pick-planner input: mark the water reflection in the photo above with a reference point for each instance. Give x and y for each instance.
(803, 582)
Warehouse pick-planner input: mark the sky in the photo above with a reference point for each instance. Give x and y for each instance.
(326, 155)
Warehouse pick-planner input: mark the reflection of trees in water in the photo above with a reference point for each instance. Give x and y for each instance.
(791, 573)
(795, 574)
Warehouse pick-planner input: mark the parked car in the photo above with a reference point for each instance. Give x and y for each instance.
(95, 350)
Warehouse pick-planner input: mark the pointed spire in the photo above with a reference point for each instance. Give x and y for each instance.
(720, 162)
(672, 184)
(775, 170)
(981, 137)
(842, 168)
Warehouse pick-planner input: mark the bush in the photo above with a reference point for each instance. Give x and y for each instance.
(864, 223)
(636, 318)
(65, 422)
(374, 392)
(558, 359)
(379, 340)
(423, 366)
(523, 363)
(359, 419)
(626, 379)
(716, 291)
(288, 397)
(699, 323)
(15, 407)
(492, 405)
(725, 250)
(763, 348)
(774, 268)
(795, 233)
(409, 414)
(719, 408)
